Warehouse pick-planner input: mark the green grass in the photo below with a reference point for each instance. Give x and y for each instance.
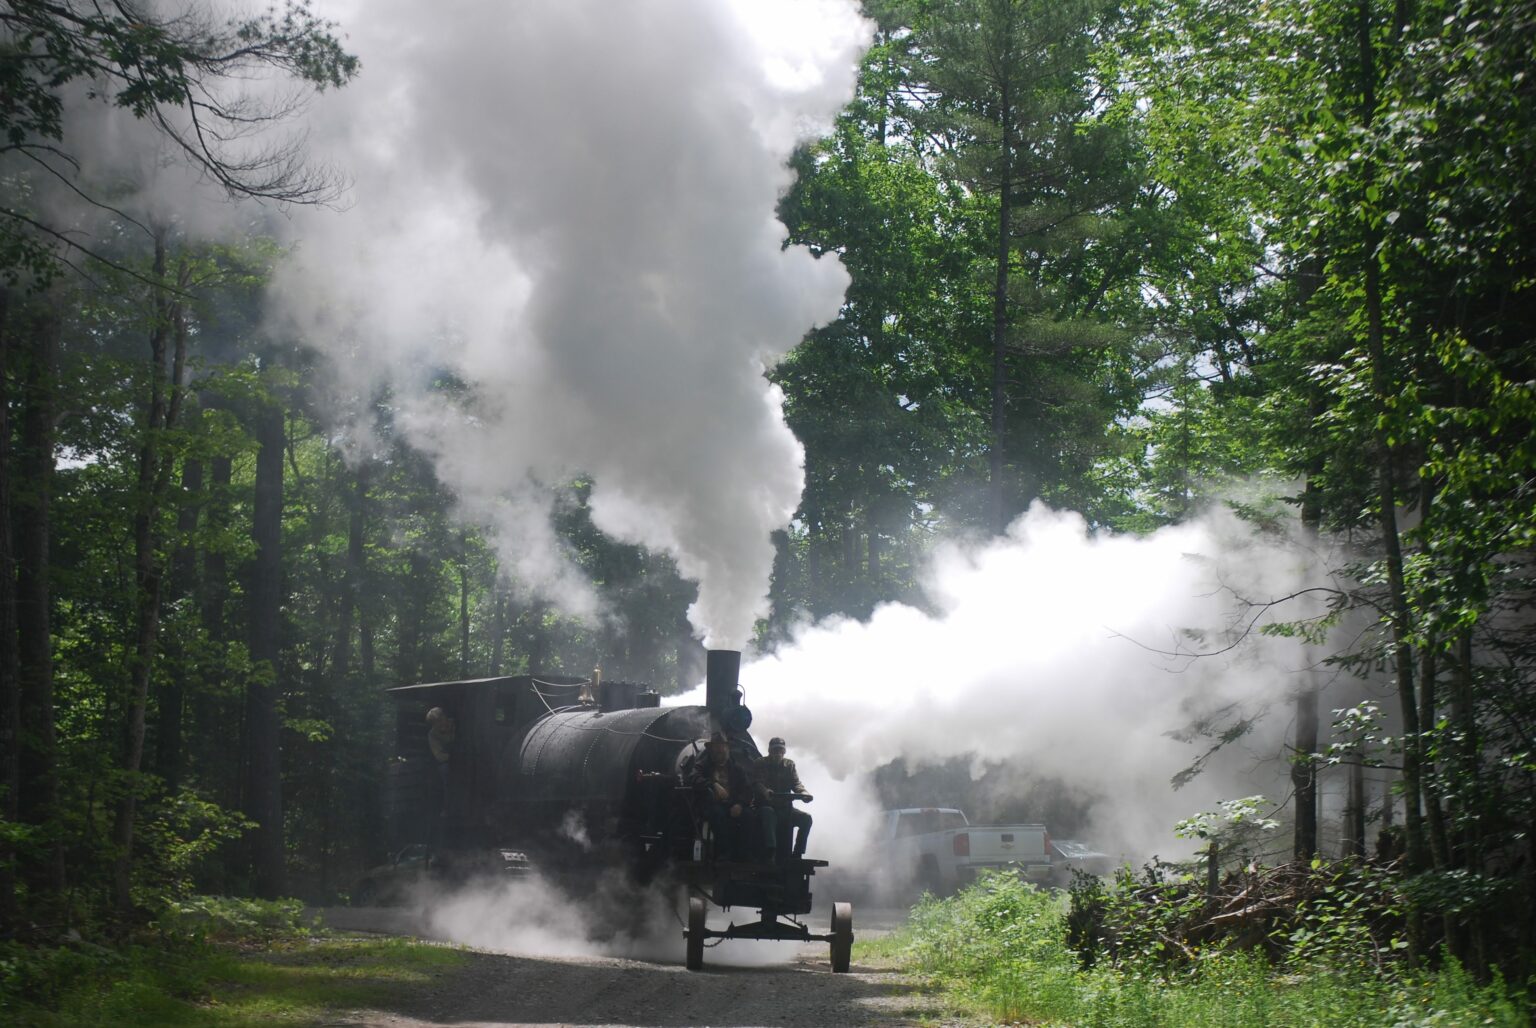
(294, 981)
(997, 952)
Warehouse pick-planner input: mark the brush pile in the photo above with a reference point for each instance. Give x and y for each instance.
(1165, 916)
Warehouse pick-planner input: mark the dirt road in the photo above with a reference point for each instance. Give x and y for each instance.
(504, 989)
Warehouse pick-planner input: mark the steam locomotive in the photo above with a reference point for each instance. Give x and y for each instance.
(579, 776)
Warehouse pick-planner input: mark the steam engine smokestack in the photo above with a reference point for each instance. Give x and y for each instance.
(721, 670)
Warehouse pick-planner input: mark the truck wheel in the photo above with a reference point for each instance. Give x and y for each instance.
(698, 910)
(842, 936)
(928, 877)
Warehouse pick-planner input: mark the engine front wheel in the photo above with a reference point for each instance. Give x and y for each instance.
(698, 911)
(842, 937)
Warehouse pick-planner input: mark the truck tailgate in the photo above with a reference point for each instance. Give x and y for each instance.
(1004, 844)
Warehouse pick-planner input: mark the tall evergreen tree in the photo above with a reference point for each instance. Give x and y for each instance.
(1011, 105)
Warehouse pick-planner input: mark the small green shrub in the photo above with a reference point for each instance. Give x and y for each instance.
(230, 919)
(177, 835)
(153, 980)
(81, 982)
(40, 976)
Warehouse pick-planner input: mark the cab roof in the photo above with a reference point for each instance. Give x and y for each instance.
(480, 683)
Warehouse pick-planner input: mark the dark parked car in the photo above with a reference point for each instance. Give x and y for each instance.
(417, 864)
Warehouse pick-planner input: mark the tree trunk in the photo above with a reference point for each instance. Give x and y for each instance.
(1468, 850)
(31, 513)
(1399, 616)
(1439, 842)
(352, 573)
(883, 38)
(215, 591)
(10, 686)
(168, 338)
(1467, 805)
(1354, 808)
(263, 727)
(463, 604)
(538, 638)
(212, 714)
(329, 702)
(411, 615)
(365, 649)
(1303, 764)
(872, 526)
(812, 567)
(998, 512)
(498, 628)
(171, 700)
(1304, 775)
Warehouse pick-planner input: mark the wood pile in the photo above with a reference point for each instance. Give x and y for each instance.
(1271, 909)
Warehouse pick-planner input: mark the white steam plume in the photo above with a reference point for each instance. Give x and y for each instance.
(1036, 654)
(567, 208)
(611, 917)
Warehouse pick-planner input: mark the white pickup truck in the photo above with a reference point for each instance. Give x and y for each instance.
(938, 850)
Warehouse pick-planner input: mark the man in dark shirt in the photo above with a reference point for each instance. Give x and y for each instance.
(725, 800)
(776, 782)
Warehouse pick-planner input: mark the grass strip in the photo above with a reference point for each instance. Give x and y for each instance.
(292, 981)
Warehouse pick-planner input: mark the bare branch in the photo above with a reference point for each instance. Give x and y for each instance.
(81, 193)
(87, 251)
(1260, 610)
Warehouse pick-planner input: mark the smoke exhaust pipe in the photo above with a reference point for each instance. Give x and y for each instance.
(721, 694)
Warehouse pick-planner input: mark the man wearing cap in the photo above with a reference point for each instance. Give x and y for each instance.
(776, 782)
(725, 798)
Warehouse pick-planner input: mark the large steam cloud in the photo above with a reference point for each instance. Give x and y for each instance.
(565, 209)
(1040, 652)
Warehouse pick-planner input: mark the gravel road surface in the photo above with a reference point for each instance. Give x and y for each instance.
(505, 989)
